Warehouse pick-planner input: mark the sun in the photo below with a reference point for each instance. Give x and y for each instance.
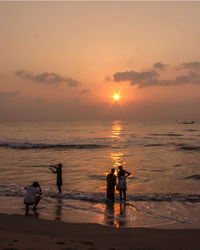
(116, 97)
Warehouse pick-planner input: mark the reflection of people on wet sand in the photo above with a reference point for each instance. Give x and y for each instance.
(121, 218)
(111, 183)
(109, 213)
(58, 170)
(59, 209)
(32, 196)
(121, 186)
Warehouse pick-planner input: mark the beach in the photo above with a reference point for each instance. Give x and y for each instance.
(26, 232)
(162, 157)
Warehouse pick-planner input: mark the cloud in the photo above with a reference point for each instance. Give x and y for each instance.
(190, 66)
(8, 94)
(134, 77)
(152, 78)
(48, 78)
(189, 78)
(108, 78)
(155, 82)
(84, 91)
(159, 66)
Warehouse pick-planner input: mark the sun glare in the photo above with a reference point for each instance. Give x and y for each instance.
(116, 97)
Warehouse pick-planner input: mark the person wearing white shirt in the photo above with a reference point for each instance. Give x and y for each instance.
(32, 196)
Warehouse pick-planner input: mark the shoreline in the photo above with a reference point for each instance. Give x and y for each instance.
(27, 232)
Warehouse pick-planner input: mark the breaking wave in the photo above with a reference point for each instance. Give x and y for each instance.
(27, 145)
(15, 190)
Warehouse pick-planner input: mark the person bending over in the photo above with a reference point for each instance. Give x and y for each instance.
(32, 196)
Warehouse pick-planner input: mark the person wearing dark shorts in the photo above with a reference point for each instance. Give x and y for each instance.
(58, 170)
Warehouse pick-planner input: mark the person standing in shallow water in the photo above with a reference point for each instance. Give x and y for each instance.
(58, 170)
(111, 183)
(122, 186)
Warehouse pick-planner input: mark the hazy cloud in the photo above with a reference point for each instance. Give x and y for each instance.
(134, 77)
(85, 91)
(108, 78)
(159, 66)
(188, 78)
(8, 94)
(190, 66)
(152, 78)
(48, 78)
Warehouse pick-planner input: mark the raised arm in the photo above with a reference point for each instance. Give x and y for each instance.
(40, 188)
(127, 173)
(54, 171)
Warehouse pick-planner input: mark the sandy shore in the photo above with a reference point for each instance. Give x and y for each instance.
(21, 232)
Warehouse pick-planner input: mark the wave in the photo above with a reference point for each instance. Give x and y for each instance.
(27, 145)
(193, 177)
(15, 190)
(189, 148)
(154, 145)
(169, 134)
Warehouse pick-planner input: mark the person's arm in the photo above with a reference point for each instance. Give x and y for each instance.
(54, 171)
(40, 188)
(127, 173)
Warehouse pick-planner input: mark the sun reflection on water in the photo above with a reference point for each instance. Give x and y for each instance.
(116, 129)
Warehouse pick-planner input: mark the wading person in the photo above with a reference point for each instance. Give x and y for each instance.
(32, 196)
(122, 186)
(111, 183)
(58, 170)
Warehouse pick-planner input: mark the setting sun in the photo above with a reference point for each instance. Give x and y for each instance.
(116, 97)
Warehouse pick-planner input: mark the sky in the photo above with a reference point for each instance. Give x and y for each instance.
(65, 60)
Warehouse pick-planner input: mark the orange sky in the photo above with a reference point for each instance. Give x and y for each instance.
(65, 60)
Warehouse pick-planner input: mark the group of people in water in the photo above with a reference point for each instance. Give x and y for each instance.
(121, 186)
(34, 191)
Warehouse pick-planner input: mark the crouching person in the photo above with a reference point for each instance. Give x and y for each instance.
(32, 196)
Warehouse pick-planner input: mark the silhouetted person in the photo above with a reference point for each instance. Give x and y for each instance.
(58, 170)
(32, 196)
(122, 186)
(111, 183)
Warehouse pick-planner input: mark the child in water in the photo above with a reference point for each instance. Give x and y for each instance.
(58, 170)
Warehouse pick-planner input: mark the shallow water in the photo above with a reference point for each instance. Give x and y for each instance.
(163, 158)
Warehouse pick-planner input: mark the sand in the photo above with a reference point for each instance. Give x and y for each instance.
(28, 232)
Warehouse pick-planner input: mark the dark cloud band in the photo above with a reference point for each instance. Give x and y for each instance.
(48, 78)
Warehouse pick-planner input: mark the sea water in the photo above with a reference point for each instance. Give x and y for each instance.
(163, 158)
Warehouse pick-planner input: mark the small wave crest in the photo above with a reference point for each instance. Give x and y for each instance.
(168, 134)
(189, 148)
(195, 177)
(27, 145)
(97, 197)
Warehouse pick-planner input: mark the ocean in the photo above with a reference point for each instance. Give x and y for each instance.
(162, 157)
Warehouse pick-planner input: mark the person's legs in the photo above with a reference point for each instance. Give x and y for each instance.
(124, 192)
(27, 208)
(59, 189)
(37, 200)
(120, 194)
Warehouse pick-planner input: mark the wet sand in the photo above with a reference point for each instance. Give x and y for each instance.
(27, 232)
